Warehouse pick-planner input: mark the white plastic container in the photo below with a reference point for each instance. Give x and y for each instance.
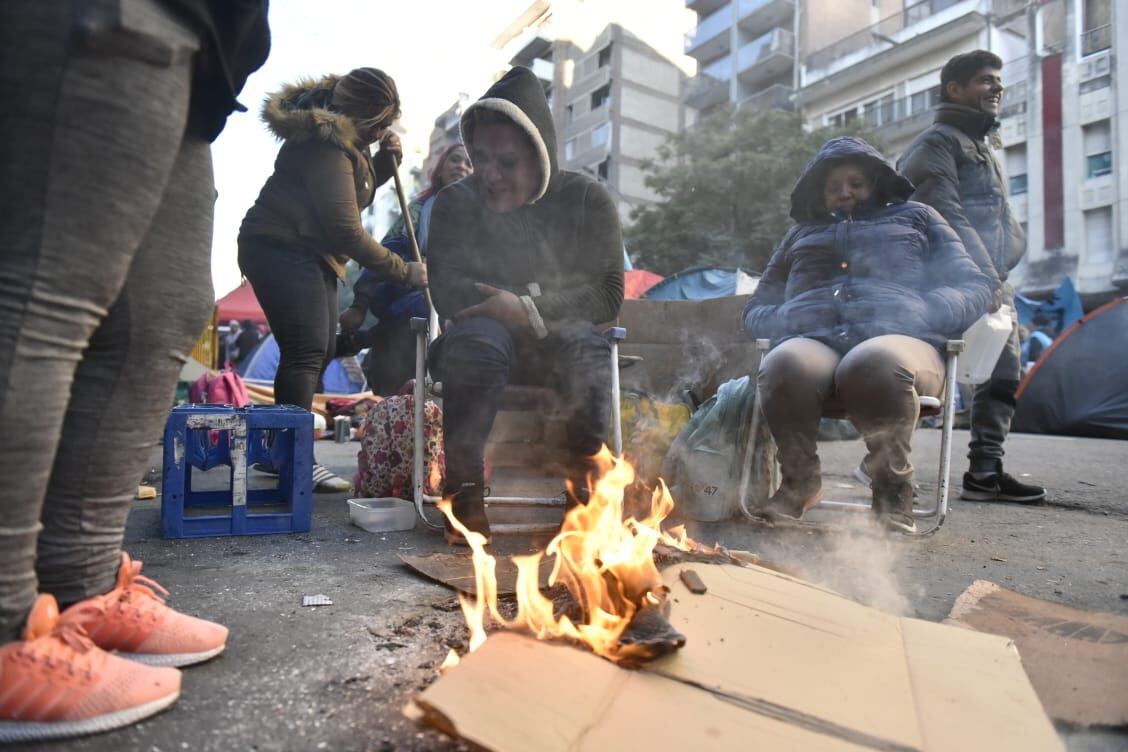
(382, 515)
(984, 342)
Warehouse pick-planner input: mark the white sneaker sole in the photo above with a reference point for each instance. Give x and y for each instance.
(173, 660)
(21, 731)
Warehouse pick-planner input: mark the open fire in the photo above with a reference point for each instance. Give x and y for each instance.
(606, 563)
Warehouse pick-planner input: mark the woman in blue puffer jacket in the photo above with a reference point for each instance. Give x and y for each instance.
(858, 299)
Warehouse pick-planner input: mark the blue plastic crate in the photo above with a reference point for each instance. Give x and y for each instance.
(198, 438)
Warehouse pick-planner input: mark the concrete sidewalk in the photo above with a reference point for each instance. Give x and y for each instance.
(335, 677)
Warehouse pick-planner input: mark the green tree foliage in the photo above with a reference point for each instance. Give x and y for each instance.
(724, 188)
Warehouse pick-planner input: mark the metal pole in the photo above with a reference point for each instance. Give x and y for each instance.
(409, 226)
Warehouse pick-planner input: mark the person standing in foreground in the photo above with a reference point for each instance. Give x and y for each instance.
(527, 259)
(305, 224)
(955, 171)
(105, 285)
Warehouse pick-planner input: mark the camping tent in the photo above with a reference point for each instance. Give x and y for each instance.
(1079, 387)
(339, 378)
(637, 281)
(240, 304)
(701, 282)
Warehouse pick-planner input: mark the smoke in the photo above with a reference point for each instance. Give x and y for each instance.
(859, 560)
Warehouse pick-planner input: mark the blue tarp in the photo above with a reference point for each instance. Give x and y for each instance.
(1053, 316)
(261, 365)
(697, 283)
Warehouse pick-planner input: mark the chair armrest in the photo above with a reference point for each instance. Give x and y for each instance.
(418, 324)
(763, 345)
(616, 333)
(956, 346)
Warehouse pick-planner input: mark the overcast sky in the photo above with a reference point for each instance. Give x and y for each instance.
(434, 49)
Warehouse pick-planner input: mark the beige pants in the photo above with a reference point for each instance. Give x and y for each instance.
(877, 384)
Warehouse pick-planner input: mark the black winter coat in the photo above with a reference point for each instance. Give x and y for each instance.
(956, 172)
(894, 268)
(562, 253)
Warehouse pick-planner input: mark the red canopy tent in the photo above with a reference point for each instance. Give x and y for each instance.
(637, 281)
(240, 304)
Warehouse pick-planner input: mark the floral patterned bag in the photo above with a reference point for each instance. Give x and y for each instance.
(384, 463)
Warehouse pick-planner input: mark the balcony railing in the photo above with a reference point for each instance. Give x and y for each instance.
(713, 24)
(710, 85)
(775, 42)
(1096, 40)
(775, 97)
(880, 32)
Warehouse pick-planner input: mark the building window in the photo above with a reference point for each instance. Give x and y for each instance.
(1016, 169)
(603, 169)
(924, 100)
(605, 56)
(601, 135)
(601, 96)
(878, 111)
(569, 148)
(1098, 149)
(1098, 235)
(1097, 26)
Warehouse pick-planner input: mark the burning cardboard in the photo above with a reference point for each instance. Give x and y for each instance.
(770, 662)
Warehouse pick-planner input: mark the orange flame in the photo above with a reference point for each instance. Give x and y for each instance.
(606, 563)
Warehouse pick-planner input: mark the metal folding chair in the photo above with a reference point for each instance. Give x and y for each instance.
(945, 406)
(424, 330)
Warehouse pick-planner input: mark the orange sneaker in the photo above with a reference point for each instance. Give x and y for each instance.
(56, 682)
(133, 621)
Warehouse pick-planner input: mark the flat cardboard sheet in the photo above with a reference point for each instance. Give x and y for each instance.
(457, 571)
(1076, 660)
(771, 662)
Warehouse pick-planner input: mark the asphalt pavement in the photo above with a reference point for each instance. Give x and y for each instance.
(336, 677)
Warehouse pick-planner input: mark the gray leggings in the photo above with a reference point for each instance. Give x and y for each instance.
(104, 282)
(877, 382)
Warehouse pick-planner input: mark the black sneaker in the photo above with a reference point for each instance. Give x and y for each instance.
(1000, 486)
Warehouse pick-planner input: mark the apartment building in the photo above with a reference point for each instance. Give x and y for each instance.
(746, 54)
(612, 71)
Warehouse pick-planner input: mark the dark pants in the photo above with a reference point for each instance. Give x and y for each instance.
(993, 402)
(298, 294)
(104, 284)
(476, 358)
(391, 356)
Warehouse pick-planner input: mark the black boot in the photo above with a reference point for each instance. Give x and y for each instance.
(469, 507)
(582, 475)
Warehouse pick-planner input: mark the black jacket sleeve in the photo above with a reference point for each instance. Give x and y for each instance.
(761, 314)
(449, 256)
(600, 297)
(930, 163)
(960, 292)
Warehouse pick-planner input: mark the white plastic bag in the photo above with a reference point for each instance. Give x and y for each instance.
(984, 342)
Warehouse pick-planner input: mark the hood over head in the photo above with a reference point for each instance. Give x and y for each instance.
(519, 96)
(301, 112)
(807, 198)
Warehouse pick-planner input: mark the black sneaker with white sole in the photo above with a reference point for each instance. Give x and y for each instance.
(1000, 486)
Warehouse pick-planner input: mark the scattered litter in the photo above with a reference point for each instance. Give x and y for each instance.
(998, 558)
(692, 580)
(316, 600)
(146, 492)
(1087, 483)
(1040, 568)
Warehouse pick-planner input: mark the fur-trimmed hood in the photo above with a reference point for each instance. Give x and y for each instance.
(519, 96)
(300, 112)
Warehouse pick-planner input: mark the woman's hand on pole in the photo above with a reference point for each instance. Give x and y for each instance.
(416, 274)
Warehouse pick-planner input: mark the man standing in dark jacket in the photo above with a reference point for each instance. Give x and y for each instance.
(955, 170)
(526, 259)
